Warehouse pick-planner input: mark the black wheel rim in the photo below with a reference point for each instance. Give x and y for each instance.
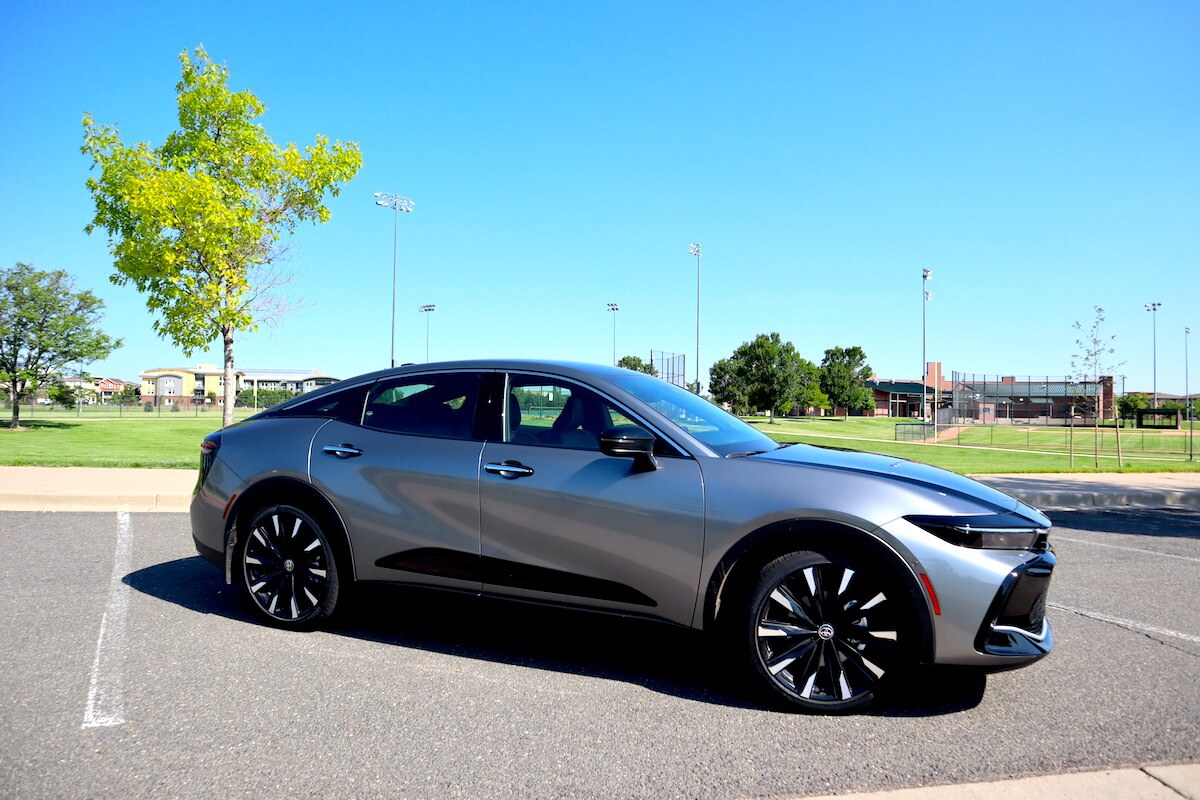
(286, 563)
(827, 633)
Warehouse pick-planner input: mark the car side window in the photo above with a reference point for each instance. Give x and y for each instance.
(425, 405)
(345, 405)
(550, 413)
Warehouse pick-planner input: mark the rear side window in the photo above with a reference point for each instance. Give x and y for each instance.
(425, 405)
(345, 405)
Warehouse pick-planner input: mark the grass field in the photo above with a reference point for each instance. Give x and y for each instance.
(989, 449)
(59, 438)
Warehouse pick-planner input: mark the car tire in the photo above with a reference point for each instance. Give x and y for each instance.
(287, 568)
(825, 633)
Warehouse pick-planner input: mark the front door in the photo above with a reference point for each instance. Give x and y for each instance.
(563, 522)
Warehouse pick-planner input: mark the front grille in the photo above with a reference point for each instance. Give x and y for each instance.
(1019, 608)
(1025, 607)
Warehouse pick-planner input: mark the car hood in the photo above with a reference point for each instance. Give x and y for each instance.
(903, 470)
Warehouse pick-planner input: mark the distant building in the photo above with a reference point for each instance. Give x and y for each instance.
(193, 385)
(296, 381)
(95, 390)
(903, 398)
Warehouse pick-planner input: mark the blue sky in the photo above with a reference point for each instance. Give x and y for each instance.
(1041, 158)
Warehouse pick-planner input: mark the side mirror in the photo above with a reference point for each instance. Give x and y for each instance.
(630, 441)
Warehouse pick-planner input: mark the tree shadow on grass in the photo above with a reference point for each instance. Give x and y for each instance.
(34, 424)
(663, 658)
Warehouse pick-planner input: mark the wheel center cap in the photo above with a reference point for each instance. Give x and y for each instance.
(290, 565)
(825, 631)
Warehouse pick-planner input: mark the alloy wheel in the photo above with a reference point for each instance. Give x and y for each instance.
(286, 564)
(827, 634)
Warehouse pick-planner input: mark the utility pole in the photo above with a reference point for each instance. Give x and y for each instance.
(397, 204)
(694, 249)
(926, 275)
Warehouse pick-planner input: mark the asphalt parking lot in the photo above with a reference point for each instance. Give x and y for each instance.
(131, 670)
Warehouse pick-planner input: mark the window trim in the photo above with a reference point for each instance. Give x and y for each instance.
(475, 434)
(680, 452)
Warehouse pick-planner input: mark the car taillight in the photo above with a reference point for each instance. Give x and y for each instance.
(208, 455)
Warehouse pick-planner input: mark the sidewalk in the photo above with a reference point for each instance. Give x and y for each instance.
(1174, 782)
(99, 489)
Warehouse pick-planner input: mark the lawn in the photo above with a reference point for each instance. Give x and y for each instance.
(173, 440)
(990, 449)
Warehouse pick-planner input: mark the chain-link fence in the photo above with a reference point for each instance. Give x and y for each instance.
(982, 399)
(672, 367)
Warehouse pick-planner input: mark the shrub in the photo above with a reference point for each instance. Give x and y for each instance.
(148, 408)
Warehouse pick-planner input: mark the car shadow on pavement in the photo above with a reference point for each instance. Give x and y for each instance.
(660, 657)
(1149, 522)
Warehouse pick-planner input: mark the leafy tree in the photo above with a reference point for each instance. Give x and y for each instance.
(636, 364)
(266, 398)
(45, 325)
(1129, 404)
(129, 395)
(62, 395)
(727, 386)
(197, 223)
(844, 376)
(764, 373)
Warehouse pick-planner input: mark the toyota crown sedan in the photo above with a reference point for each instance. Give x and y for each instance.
(825, 573)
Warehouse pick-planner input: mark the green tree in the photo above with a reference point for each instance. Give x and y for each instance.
(62, 395)
(636, 364)
(844, 376)
(197, 223)
(129, 395)
(45, 325)
(763, 373)
(727, 385)
(1129, 404)
(265, 399)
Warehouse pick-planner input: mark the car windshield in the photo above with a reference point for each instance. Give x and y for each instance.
(724, 433)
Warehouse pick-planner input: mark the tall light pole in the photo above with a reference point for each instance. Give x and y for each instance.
(427, 309)
(694, 249)
(926, 275)
(1187, 398)
(396, 203)
(1153, 309)
(613, 307)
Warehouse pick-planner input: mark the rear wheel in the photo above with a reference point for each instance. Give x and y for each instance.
(825, 633)
(288, 568)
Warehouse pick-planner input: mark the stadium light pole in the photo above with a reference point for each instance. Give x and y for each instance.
(1187, 398)
(926, 275)
(613, 307)
(396, 203)
(694, 249)
(1153, 309)
(427, 309)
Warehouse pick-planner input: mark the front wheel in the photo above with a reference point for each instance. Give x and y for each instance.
(824, 632)
(288, 567)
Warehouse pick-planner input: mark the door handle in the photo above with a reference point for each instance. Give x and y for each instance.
(509, 469)
(341, 450)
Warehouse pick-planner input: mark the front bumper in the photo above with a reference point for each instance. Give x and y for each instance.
(1015, 627)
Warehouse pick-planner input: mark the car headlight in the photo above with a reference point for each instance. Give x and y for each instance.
(986, 531)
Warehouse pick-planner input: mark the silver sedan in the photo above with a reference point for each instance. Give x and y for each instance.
(826, 572)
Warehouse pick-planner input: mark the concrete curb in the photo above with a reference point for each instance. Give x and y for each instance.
(1172, 782)
(48, 501)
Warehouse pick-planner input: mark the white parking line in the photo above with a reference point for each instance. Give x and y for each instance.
(106, 692)
(1123, 547)
(1133, 625)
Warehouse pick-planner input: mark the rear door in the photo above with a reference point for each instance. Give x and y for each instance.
(405, 481)
(565, 523)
